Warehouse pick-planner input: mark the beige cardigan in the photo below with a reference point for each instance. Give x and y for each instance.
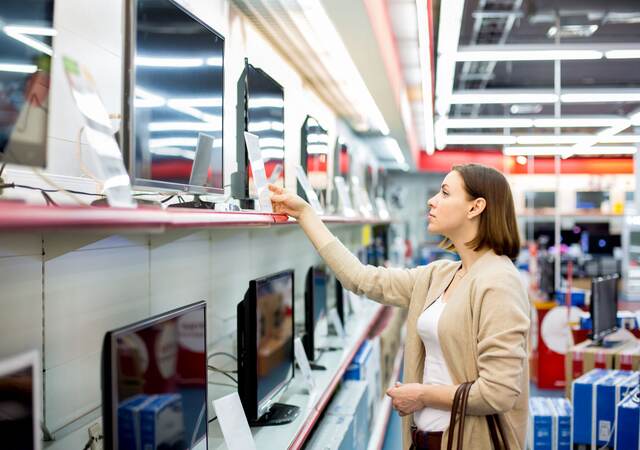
(483, 332)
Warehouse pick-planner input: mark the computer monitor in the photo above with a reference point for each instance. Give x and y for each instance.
(604, 308)
(314, 155)
(540, 199)
(315, 309)
(591, 199)
(265, 349)
(603, 244)
(20, 394)
(25, 80)
(173, 90)
(341, 299)
(154, 382)
(260, 111)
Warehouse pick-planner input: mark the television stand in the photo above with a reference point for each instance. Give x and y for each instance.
(605, 344)
(278, 414)
(195, 204)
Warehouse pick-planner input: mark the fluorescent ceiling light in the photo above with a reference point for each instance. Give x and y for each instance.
(601, 97)
(479, 139)
(183, 126)
(579, 122)
(526, 55)
(525, 109)
(488, 122)
(573, 30)
(623, 54)
(425, 72)
(550, 139)
(448, 39)
(22, 34)
(18, 68)
(501, 97)
(556, 150)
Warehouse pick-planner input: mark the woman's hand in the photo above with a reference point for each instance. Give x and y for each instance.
(407, 398)
(285, 202)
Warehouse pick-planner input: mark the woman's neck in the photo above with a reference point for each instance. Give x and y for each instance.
(468, 255)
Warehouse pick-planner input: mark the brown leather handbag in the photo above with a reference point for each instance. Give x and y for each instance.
(459, 409)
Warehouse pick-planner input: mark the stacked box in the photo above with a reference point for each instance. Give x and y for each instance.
(366, 366)
(609, 392)
(333, 433)
(581, 358)
(129, 437)
(562, 428)
(352, 401)
(162, 423)
(628, 422)
(629, 357)
(583, 393)
(540, 424)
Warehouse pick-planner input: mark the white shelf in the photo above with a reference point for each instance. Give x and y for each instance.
(379, 428)
(294, 434)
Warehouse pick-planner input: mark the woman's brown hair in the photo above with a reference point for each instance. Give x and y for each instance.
(498, 229)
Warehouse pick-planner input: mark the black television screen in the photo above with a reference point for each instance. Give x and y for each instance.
(155, 380)
(604, 306)
(20, 402)
(314, 153)
(547, 281)
(25, 77)
(174, 91)
(591, 199)
(315, 308)
(603, 244)
(540, 199)
(260, 111)
(265, 344)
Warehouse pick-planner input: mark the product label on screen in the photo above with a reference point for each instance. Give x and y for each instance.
(233, 423)
(308, 190)
(303, 363)
(337, 324)
(258, 171)
(343, 196)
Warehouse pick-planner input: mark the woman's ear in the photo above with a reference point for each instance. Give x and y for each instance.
(479, 204)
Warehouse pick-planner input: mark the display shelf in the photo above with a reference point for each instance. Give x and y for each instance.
(379, 428)
(312, 405)
(18, 216)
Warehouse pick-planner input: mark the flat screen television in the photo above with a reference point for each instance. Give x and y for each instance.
(314, 154)
(260, 111)
(315, 309)
(603, 244)
(341, 298)
(173, 93)
(20, 381)
(265, 349)
(603, 308)
(154, 382)
(547, 281)
(540, 199)
(25, 77)
(591, 199)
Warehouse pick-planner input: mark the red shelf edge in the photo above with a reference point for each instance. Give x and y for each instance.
(308, 425)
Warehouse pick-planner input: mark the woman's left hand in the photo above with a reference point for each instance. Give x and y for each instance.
(407, 398)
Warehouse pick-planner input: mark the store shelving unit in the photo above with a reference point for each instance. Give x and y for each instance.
(378, 431)
(312, 405)
(17, 216)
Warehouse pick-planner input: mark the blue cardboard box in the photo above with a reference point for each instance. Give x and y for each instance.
(352, 401)
(562, 428)
(540, 424)
(583, 393)
(129, 437)
(628, 422)
(578, 296)
(333, 433)
(357, 370)
(609, 392)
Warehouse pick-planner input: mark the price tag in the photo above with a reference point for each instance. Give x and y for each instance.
(308, 190)
(337, 324)
(233, 423)
(303, 363)
(258, 171)
(343, 196)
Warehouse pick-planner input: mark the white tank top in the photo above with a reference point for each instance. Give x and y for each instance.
(435, 367)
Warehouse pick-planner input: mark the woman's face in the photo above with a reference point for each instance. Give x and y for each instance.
(449, 208)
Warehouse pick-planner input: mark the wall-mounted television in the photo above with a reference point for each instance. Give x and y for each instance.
(265, 349)
(315, 310)
(173, 93)
(591, 199)
(154, 382)
(260, 111)
(540, 199)
(26, 45)
(20, 404)
(314, 154)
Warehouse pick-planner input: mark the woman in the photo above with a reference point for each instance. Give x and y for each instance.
(468, 320)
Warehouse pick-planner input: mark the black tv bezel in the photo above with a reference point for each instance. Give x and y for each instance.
(240, 178)
(108, 375)
(128, 109)
(308, 340)
(599, 337)
(247, 346)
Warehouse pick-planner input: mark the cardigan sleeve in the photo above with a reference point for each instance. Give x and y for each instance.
(384, 285)
(503, 328)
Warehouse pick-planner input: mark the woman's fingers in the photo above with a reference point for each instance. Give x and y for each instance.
(276, 189)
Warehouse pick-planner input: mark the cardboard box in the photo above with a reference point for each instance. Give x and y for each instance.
(583, 393)
(540, 435)
(352, 401)
(366, 366)
(582, 358)
(609, 392)
(129, 437)
(162, 423)
(628, 422)
(562, 425)
(629, 357)
(333, 433)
